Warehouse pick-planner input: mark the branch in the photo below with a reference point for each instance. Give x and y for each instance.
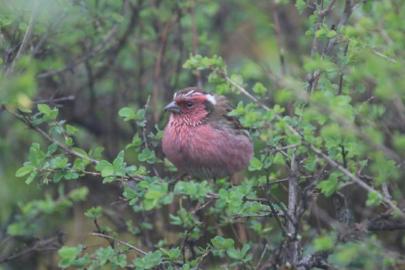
(108, 237)
(293, 245)
(385, 222)
(52, 243)
(55, 100)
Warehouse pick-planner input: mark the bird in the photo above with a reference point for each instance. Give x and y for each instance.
(201, 139)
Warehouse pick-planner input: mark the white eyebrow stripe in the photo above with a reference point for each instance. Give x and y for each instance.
(211, 99)
(189, 93)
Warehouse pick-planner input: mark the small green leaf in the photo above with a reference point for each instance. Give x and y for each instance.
(329, 186)
(127, 113)
(154, 195)
(106, 168)
(300, 5)
(255, 165)
(68, 255)
(71, 130)
(222, 243)
(147, 155)
(324, 243)
(78, 194)
(31, 177)
(94, 212)
(259, 89)
(373, 199)
(58, 162)
(149, 261)
(119, 164)
(48, 113)
(23, 171)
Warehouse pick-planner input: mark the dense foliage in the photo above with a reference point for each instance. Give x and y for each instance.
(318, 83)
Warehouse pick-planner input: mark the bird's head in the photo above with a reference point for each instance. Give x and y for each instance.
(191, 106)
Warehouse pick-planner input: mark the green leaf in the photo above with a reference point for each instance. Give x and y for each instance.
(147, 155)
(31, 177)
(71, 130)
(259, 89)
(155, 193)
(149, 261)
(239, 254)
(300, 5)
(324, 243)
(329, 186)
(222, 243)
(105, 167)
(172, 254)
(58, 162)
(127, 114)
(136, 142)
(36, 156)
(193, 189)
(17, 229)
(48, 113)
(104, 254)
(119, 164)
(373, 199)
(78, 194)
(23, 171)
(255, 165)
(119, 260)
(68, 255)
(94, 212)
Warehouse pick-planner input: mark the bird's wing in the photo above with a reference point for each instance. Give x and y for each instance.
(221, 113)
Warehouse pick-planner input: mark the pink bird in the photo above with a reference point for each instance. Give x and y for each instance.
(201, 139)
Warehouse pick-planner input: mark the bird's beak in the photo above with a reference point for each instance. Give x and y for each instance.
(172, 107)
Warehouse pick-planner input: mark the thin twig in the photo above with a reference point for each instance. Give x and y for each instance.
(140, 251)
(55, 100)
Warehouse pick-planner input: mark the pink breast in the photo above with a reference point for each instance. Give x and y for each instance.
(206, 151)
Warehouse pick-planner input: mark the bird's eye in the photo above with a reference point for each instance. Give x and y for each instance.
(189, 104)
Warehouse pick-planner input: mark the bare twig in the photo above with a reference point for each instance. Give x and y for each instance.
(55, 100)
(140, 251)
